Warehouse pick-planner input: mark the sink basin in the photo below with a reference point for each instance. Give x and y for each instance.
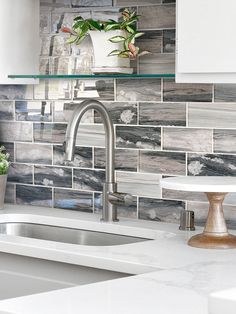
(66, 235)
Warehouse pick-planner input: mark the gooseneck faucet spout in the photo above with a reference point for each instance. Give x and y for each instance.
(111, 197)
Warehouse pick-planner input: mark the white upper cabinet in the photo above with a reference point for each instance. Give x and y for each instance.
(19, 40)
(206, 41)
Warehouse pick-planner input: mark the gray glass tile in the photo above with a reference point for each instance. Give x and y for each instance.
(53, 176)
(82, 158)
(138, 90)
(91, 3)
(33, 153)
(10, 194)
(125, 159)
(169, 114)
(15, 131)
(225, 141)
(214, 115)
(120, 112)
(157, 63)
(187, 139)
(169, 40)
(49, 132)
(32, 195)
(225, 92)
(157, 17)
(138, 137)
(211, 165)
(90, 180)
(98, 89)
(186, 92)
(74, 200)
(19, 173)
(160, 210)
(162, 162)
(33, 110)
(6, 110)
(13, 92)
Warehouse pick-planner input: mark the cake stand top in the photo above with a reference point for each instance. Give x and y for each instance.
(200, 184)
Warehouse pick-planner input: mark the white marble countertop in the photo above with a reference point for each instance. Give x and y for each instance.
(172, 278)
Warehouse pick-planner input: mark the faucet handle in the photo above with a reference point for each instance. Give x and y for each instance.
(117, 198)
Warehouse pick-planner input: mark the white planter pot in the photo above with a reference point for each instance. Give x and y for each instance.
(3, 182)
(102, 47)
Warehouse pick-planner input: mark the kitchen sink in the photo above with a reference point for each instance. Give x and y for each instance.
(66, 235)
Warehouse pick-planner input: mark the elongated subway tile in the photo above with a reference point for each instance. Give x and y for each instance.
(45, 21)
(157, 17)
(157, 63)
(127, 211)
(120, 112)
(45, 66)
(187, 139)
(106, 13)
(186, 92)
(53, 176)
(6, 110)
(140, 184)
(138, 137)
(211, 165)
(15, 131)
(169, 114)
(90, 180)
(12, 92)
(63, 112)
(215, 115)
(225, 92)
(33, 195)
(10, 195)
(91, 3)
(55, 45)
(201, 210)
(53, 89)
(19, 173)
(98, 89)
(9, 149)
(225, 141)
(33, 110)
(33, 153)
(184, 195)
(74, 200)
(55, 3)
(136, 2)
(169, 41)
(125, 159)
(82, 157)
(160, 210)
(138, 90)
(162, 162)
(168, 1)
(151, 41)
(63, 18)
(91, 135)
(49, 132)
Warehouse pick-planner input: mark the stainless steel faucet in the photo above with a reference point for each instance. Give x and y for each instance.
(111, 198)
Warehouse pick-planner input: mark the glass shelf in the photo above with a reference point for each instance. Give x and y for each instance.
(91, 76)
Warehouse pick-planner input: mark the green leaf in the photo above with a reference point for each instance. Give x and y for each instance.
(71, 40)
(95, 25)
(114, 53)
(138, 35)
(77, 18)
(109, 27)
(80, 39)
(124, 54)
(130, 29)
(117, 39)
(78, 24)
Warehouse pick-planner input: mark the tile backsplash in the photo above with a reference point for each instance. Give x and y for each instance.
(162, 128)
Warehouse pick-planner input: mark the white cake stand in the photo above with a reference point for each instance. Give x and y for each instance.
(215, 234)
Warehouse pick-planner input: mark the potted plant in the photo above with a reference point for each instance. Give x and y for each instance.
(4, 166)
(113, 41)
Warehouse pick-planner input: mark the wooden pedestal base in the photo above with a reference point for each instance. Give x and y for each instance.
(215, 234)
